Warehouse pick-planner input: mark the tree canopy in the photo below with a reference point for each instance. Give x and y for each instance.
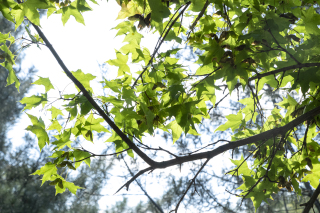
(240, 46)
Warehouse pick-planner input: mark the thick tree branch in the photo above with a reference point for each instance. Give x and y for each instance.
(210, 154)
(262, 136)
(94, 104)
(313, 198)
(284, 69)
(204, 155)
(177, 161)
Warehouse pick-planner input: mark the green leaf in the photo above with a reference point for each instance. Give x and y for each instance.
(120, 62)
(159, 11)
(84, 79)
(128, 95)
(47, 171)
(94, 124)
(81, 156)
(197, 5)
(38, 128)
(73, 112)
(311, 21)
(63, 140)
(55, 126)
(114, 137)
(6, 37)
(233, 122)
(70, 166)
(75, 9)
(8, 63)
(133, 37)
(72, 188)
(242, 167)
(45, 82)
(314, 177)
(149, 116)
(29, 9)
(85, 107)
(176, 130)
(55, 112)
(33, 101)
(5, 6)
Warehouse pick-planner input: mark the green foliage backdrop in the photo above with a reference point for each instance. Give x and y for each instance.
(241, 44)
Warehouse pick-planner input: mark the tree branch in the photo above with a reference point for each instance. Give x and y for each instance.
(313, 198)
(90, 99)
(144, 191)
(160, 43)
(198, 17)
(133, 178)
(190, 184)
(284, 69)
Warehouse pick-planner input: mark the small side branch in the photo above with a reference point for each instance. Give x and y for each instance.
(144, 191)
(127, 184)
(198, 18)
(162, 37)
(190, 184)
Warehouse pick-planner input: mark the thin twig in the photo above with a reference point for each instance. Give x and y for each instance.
(160, 43)
(144, 191)
(190, 184)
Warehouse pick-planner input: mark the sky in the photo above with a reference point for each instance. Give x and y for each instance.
(85, 47)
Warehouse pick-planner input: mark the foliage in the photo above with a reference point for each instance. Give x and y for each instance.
(241, 44)
(20, 191)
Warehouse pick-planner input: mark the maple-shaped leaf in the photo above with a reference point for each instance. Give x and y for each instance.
(63, 140)
(73, 112)
(48, 170)
(311, 21)
(233, 122)
(55, 112)
(176, 130)
(113, 100)
(128, 95)
(120, 62)
(149, 116)
(159, 11)
(32, 101)
(75, 9)
(84, 79)
(242, 167)
(38, 128)
(123, 28)
(45, 82)
(8, 63)
(5, 6)
(81, 156)
(72, 188)
(6, 37)
(127, 10)
(29, 9)
(94, 124)
(314, 176)
(261, 192)
(55, 125)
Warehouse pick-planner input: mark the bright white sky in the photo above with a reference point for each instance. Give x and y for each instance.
(85, 47)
